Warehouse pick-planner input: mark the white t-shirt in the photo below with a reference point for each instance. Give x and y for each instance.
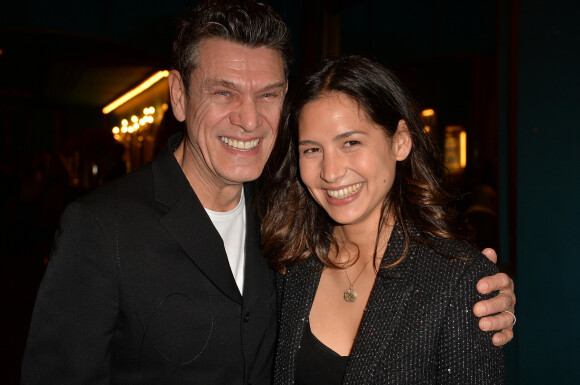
(231, 225)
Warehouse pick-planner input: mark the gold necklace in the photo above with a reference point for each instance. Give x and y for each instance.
(350, 294)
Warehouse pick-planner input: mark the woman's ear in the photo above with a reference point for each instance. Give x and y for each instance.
(402, 142)
(178, 95)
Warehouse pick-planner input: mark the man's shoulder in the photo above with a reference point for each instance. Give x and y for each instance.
(138, 182)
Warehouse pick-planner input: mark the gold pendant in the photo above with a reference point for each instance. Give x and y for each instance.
(350, 295)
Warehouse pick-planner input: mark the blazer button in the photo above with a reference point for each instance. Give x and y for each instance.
(247, 317)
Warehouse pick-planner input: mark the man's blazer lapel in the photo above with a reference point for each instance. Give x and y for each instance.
(258, 277)
(189, 224)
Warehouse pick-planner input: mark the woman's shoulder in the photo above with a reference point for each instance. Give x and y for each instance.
(447, 260)
(454, 249)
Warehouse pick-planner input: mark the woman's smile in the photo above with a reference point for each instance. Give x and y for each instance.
(344, 192)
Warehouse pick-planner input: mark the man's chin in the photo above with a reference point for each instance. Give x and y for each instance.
(243, 176)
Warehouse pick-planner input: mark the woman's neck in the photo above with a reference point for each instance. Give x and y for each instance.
(361, 239)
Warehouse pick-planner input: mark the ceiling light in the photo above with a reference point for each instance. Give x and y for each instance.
(135, 91)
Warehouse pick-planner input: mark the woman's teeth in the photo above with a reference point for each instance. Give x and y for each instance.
(344, 192)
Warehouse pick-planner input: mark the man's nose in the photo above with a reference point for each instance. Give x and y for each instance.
(247, 115)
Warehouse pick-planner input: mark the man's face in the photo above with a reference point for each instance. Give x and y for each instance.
(232, 111)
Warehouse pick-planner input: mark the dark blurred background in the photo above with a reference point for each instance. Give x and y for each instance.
(497, 82)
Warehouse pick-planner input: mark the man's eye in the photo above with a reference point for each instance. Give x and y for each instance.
(270, 95)
(222, 93)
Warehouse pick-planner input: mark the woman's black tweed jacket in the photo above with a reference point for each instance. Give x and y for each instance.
(418, 326)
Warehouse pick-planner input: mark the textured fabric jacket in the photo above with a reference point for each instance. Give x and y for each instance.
(139, 290)
(418, 326)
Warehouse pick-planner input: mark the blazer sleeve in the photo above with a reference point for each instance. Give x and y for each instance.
(466, 354)
(75, 312)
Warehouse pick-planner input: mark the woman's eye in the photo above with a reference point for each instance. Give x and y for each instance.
(351, 143)
(311, 150)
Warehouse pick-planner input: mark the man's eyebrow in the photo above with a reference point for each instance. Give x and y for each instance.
(272, 86)
(211, 84)
(217, 83)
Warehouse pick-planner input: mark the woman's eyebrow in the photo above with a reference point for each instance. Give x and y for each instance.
(347, 135)
(307, 143)
(337, 138)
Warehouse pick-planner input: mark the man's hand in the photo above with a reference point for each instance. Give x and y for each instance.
(505, 300)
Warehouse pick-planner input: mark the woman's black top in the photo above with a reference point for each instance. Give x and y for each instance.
(316, 363)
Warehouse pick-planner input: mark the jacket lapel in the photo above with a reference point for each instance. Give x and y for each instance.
(301, 283)
(189, 224)
(258, 277)
(388, 301)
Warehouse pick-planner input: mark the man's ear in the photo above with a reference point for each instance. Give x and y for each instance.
(178, 95)
(402, 141)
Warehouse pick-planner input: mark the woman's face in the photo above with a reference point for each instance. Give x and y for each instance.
(346, 161)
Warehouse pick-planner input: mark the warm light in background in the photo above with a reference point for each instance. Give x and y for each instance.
(428, 112)
(455, 151)
(462, 149)
(135, 91)
(135, 123)
(429, 120)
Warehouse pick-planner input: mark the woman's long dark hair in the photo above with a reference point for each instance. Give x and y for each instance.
(293, 225)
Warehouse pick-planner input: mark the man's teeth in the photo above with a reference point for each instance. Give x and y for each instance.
(344, 192)
(240, 145)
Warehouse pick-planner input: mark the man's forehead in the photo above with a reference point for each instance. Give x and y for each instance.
(224, 60)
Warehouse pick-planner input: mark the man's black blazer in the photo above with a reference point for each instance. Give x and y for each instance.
(139, 290)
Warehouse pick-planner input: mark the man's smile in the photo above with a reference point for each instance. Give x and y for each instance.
(239, 144)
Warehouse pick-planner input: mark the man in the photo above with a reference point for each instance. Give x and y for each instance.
(158, 278)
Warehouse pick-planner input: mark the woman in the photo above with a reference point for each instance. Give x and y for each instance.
(378, 285)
